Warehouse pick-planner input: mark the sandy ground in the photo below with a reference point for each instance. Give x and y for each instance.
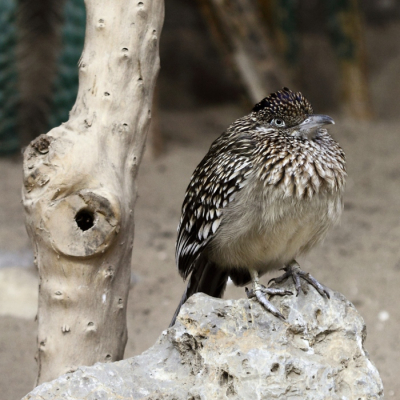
(360, 257)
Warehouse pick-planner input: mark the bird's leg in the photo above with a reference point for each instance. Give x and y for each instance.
(259, 291)
(293, 269)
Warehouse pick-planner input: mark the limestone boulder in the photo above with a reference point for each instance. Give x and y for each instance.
(234, 349)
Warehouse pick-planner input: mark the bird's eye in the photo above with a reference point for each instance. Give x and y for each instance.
(278, 122)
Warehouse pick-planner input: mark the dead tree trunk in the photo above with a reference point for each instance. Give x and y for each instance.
(80, 189)
(347, 34)
(238, 28)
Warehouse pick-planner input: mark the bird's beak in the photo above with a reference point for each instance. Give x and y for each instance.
(315, 121)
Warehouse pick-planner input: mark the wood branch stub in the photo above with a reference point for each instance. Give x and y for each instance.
(80, 190)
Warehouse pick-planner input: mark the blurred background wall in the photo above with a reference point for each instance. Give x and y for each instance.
(305, 43)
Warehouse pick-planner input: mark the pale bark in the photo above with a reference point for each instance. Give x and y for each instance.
(80, 189)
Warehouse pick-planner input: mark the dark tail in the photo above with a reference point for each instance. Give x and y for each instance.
(207, 278)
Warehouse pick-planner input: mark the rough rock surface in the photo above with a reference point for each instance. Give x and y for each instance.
(225, 349)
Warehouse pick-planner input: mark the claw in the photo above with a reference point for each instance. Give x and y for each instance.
(293, 270)
(321, 289)
(269, 291)
(259, 291)
(297, 283)
(281, 278)
(250, 294)
(277, 291)
(269, 306)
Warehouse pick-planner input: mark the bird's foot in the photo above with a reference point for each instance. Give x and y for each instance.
(293, 269)
(259, 293)
(268, 291)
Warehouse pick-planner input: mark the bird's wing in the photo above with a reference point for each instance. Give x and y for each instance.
(214, 184)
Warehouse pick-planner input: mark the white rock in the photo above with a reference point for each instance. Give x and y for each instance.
(225, 349)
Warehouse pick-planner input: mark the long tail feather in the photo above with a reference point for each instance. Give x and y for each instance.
(206, 278)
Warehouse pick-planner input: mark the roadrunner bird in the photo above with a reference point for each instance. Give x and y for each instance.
(267, 191)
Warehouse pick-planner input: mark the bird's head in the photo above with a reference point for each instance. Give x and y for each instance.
(290, 113)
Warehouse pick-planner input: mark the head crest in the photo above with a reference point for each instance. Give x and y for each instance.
(292, 107)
